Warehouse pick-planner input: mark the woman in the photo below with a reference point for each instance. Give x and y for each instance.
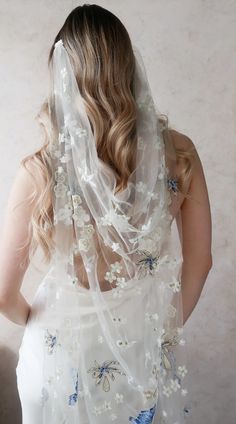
(104, 336)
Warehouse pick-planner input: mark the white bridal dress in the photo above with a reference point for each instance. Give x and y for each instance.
(104, 342)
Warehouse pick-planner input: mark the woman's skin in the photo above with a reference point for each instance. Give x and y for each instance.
(193, 219)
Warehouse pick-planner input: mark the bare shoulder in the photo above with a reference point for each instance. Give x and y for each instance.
(182, 141)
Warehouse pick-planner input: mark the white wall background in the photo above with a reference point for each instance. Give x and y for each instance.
(189, 51)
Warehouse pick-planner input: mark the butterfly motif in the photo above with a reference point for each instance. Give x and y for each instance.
(50, 341)
(173, 184)
(74, 397)
(101, 373)
(148, 263)
(167, 357)
(145, 416)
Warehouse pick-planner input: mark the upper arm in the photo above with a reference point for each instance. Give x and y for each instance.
(194, 219)
(15, 234)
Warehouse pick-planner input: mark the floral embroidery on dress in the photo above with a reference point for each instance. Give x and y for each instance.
(168, 365)
(101, 373)
(124, 344)
(50, 341)
(111, 276)
(144, 417)
(149, 263)
(74, 397)
(173, 185)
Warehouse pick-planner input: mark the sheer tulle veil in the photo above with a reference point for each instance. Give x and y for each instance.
(113, 270)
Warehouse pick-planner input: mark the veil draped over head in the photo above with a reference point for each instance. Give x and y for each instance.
(114, 331)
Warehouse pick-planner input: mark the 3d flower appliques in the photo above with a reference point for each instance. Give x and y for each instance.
(125, 344)
(80, 216)
(64, 214)
(112, 276)
(175, 285)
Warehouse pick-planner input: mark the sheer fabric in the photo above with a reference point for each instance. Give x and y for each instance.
(109, 329)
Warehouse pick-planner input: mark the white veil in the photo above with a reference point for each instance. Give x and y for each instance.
(113, 341)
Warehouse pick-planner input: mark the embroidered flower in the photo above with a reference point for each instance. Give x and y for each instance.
(112, 218)
(76, 200)
(109, 276)
(64, 214)
(107, 406)
(125, 344)
(151, 317)
(174, 384)
(167, 391)
(65, 158)
(175, 285)
(81, 132)
(60, 175)
(119, 398)
(141, 187)
(80, 216)
(97, 410)
(120, 282)
(87, 231)
(182, 370)
(116, 267)
(60, 189)
(83, 245)
(171, 311)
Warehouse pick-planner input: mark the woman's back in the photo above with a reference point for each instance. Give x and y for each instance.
(104, 337)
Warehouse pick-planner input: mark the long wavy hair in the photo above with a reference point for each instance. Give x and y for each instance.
(91, 35)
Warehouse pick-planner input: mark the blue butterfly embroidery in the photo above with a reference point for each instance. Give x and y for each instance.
(148, 263)
(173, 184)
(50, 341)
(74, 397)
(145, 417)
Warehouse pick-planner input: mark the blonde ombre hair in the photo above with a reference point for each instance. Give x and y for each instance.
(91, 35)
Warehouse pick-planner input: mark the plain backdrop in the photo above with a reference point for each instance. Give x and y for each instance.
(188, 47)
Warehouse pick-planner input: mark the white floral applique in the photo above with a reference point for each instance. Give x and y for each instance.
(119, 398)
(60, 188)
(175, 285)
(171, 311)
(118, 220)
(111, 275)
(64, 214)
(125, 344)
